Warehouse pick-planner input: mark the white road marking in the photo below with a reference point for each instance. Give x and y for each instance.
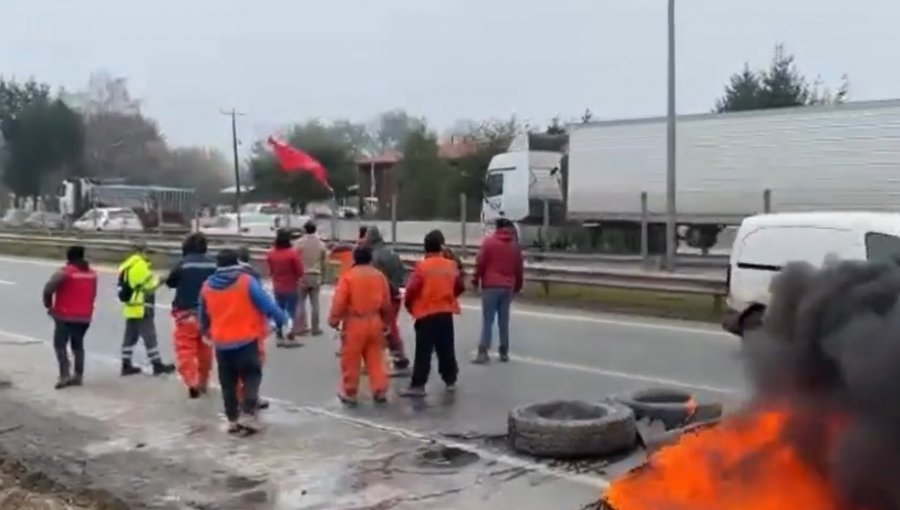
(7, 282)
(526, 312)
(543, 362)
(625, 375)
(487, 455)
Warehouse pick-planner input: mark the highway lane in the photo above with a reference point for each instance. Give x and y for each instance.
(557, 354)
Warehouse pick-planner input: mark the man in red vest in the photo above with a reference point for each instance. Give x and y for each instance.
(69, 298)
(234, 314)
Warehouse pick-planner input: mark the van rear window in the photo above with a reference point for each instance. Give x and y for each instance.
(882, 247)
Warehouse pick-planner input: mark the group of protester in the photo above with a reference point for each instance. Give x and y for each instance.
(221, 310)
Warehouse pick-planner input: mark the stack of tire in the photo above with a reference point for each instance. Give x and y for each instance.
(575, 429)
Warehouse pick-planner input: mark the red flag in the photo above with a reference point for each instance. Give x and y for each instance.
(294, 160)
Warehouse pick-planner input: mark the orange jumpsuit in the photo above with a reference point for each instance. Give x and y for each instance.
(362, 307)
(194, 357)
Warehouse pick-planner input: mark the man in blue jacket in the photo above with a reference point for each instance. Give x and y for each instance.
(234, 314)
(193, 357)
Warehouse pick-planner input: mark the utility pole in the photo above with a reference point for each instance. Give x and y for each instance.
(237, 170)
(671, 224)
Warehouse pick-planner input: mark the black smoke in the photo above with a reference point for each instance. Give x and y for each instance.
(830, 349)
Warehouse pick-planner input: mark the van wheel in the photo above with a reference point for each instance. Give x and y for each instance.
(752, 321)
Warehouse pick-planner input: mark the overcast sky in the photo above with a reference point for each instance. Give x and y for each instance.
(286, 60)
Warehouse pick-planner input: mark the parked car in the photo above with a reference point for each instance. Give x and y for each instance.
(45, 219)
(15, 218)
(110, 219)
(252, 225)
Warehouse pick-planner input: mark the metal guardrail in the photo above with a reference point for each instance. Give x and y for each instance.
(541, 273)
(712, 261)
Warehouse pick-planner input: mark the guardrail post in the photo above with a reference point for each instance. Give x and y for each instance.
(394, 220)
(462, 224)
(159, 219)
(545, 227)
(334, 219)
(645, 230)
(767, 201)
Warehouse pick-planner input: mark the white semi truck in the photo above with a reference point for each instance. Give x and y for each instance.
(816, 158)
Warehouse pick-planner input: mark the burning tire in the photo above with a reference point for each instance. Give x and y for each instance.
(675, 408)
(571, 429)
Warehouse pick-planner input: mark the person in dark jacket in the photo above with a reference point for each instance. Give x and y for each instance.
(243, 254)
(388, 262)
(499, 274)
(69, 298)
(447, 252)
(193, 357)
(244, 261)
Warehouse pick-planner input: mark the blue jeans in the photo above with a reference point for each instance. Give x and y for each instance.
(288, 303)
(495, 302)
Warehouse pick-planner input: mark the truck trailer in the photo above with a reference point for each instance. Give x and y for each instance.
(153, 204)
(843, 157)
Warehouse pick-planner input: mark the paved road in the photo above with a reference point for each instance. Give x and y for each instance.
(557, 354)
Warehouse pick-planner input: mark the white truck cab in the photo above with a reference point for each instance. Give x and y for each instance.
(519, 181)
(765, 243)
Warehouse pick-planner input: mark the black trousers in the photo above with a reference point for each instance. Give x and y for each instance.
(241, 364)
(65, 335)
(434, 334)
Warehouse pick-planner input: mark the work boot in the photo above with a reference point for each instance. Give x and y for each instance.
(317, 332)
(482, 358)
(348, 400)
(234, 428)
(63, 382)
(76, 380)
(450, 388)
(160, 368)
(193, 393)
(262, 404)
(279, 339)
(292, 341)
(129, 369)
(504, 357)
(413, 392)
(401, 368)
(250, 423)
(380, 397)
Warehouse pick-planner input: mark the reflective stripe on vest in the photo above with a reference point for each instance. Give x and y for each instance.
(232, 315)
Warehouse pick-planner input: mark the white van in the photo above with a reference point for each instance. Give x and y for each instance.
(765, 243)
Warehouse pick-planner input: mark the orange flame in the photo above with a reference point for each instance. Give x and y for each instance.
(744, 463)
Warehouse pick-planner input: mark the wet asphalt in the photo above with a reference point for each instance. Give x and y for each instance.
(557, 354)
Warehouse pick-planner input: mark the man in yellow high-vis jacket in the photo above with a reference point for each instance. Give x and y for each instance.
(137, 292)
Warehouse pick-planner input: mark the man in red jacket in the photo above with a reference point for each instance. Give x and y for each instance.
(69, 298)
(286, 272)
(498, 272)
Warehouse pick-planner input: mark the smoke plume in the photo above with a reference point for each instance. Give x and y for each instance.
(830, 348)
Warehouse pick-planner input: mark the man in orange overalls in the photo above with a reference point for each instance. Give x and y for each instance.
(193, 357)
(361, 307)
(432, 299)
(234, 314)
